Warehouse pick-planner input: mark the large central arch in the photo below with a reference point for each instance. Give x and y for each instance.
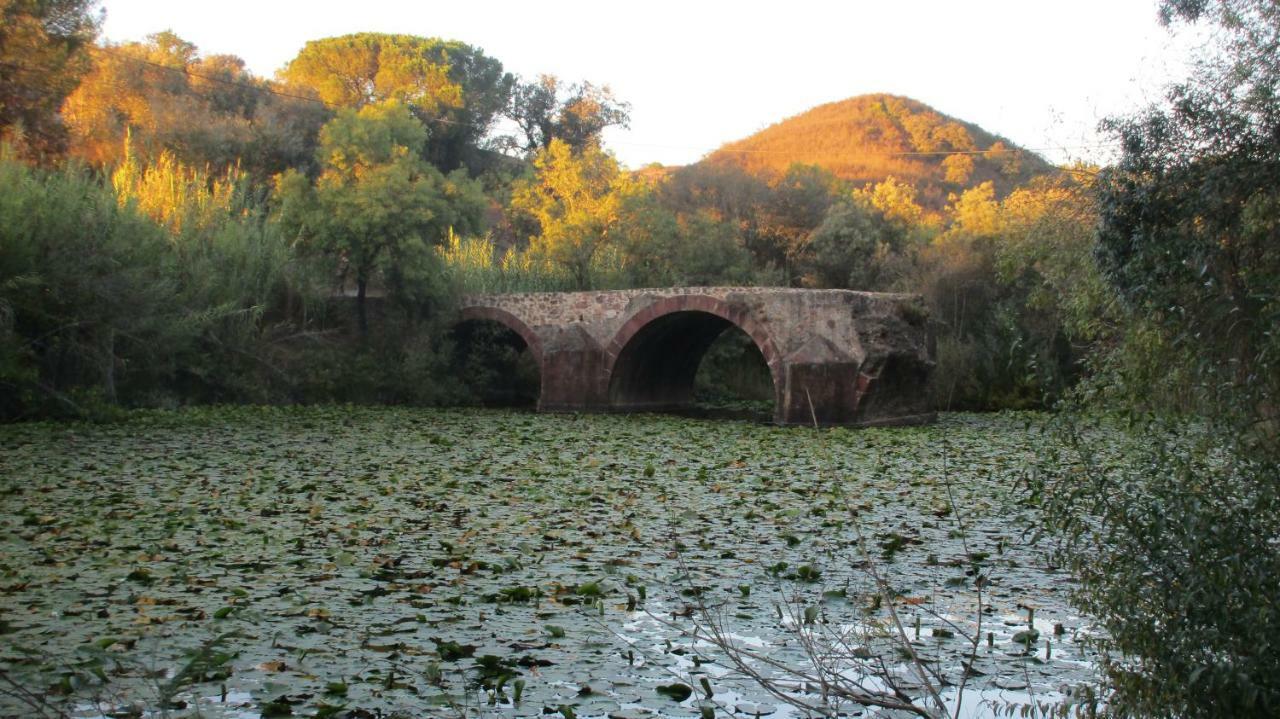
(653, 359)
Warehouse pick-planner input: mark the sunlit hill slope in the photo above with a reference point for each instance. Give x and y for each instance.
(870, 137)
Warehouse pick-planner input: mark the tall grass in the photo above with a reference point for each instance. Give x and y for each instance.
(235, 271)
(167, 285)
(87, 308)
(473, 266)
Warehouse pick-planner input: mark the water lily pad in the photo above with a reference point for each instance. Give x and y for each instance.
(631, 713)
(390, 550)
(676, 692)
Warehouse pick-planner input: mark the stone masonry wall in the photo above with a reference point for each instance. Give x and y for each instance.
(837, 343)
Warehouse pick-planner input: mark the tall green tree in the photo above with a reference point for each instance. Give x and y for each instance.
(86, 309)
(43, 46)
(377, 208)
(1189, 212)
(547, 109)
(454, 88)
(663, 248)
(724, 191)
(1046, 250)
(856, 247)
(794, 207)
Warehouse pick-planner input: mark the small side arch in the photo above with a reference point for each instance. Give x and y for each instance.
(508, 320)
(653, 358)
(497, 358)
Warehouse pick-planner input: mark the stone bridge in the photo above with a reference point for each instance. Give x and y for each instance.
(837, 356)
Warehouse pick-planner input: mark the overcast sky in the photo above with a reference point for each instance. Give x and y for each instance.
(698, 74)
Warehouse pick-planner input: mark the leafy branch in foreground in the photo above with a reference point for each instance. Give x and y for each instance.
(46, 686)
(1175, 545)
(1175, 551)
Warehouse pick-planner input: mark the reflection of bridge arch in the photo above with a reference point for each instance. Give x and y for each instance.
(835, 356)
(653, 359)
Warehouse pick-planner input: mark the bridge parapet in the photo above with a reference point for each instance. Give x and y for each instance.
(840, 356)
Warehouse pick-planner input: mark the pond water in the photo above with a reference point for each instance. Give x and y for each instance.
(365, 562)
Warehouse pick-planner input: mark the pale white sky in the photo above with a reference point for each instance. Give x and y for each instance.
(698, 74)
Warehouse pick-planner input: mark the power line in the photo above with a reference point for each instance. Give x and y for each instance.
(989, 151)
(905, 153)
(444, 120)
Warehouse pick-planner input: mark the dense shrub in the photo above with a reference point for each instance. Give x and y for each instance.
(1177, 553)
(119, 297)
(89, 314)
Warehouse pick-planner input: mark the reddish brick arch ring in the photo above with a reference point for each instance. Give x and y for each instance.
(695, 303)
(511, 322)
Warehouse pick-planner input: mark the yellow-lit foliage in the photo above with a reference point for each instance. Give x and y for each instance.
(473, 266)
(575, 199)
(957, 169)
(43, 53)
(976, 213)
(868, 138)
(208, 110)
(179, 197)
(137, 89)
(1047, 240)
(895, 199)
(371, 68)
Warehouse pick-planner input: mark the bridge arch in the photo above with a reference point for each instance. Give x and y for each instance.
(508, 320)
(654, 356)
(498, 357)
(833, 356)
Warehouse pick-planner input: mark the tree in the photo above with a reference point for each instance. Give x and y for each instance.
(135, 90)
(1009, 159)
(43, 47)
(546, 110)
(454, 88)
(649, 239)
(661, 248)
(724, 191)
(709, 252)
(956, 169)
(896, 200)
(1176, 555)
(856, 247)
(1048, 235)
(573, 204)
(1003, 331)
(796, 204)
(163, 96)
(1188, 214)
(85, 306)
(377, 208)
(976, 212)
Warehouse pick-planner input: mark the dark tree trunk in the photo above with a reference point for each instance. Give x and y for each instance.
(362, 315)
(109, 366)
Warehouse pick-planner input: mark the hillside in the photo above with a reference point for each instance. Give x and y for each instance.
(870, 137)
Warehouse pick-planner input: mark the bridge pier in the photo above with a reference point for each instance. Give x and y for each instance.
(573, 372)
(836, 357)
